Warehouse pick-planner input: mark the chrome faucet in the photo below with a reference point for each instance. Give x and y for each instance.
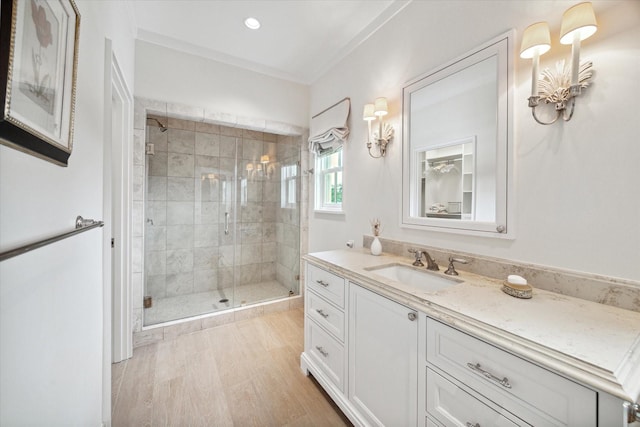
(418, 255)
(431, 264)
(451, 271)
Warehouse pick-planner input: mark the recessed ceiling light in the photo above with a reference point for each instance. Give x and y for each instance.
(252, 23)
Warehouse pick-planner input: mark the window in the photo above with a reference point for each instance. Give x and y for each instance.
(288, 186)
(329, 182)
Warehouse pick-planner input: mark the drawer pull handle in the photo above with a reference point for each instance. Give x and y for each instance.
(322, 313)
(322, 351)
(473, 425)
(323, 283)
(477, 368)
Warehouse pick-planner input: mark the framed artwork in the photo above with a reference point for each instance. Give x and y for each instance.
(38, 62)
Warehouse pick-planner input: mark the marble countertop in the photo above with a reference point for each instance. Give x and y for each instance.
(595, 344)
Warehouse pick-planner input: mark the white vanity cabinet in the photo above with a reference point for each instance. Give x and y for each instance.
(383, 344)
(452, 406)
(462, 370)
(324, 328)
(385, 364)
(363, 349)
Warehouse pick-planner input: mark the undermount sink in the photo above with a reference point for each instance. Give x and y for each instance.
(420, 279)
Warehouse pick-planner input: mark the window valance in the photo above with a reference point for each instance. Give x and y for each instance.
(329, 128)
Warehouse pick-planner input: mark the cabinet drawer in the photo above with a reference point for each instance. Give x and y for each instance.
(452, 406)
(431, 423)
(326, 284)
(532, 393)
(326, 315)
(328, 352)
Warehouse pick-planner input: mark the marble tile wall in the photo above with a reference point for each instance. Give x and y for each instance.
(190, 181)
(190, 189)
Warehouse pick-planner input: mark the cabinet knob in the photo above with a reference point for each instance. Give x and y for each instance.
(473, 425)
(412, 316)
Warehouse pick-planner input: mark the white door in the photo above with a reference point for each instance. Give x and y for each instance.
(383, 360)
(118, 154)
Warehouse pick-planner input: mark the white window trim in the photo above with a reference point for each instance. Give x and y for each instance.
(319, 206)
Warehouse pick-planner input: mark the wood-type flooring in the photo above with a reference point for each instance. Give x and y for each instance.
(240, 374)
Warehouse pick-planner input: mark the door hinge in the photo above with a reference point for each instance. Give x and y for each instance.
(113, 243)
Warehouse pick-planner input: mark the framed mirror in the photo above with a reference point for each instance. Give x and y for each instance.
(457, 144)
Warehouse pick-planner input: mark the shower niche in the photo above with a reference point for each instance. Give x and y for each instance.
(221, 218)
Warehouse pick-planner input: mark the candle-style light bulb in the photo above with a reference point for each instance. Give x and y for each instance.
(369, 115)
(536, 41)
(578, 23)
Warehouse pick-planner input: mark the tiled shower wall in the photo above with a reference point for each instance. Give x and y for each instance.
(190, 165)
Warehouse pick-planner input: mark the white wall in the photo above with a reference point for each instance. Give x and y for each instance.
(168, 75)
(51, 299)
(576, 183)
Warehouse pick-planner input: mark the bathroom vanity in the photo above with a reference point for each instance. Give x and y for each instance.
(395, 345)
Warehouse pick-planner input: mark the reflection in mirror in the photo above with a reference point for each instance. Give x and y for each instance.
(457, 128)
(447, 182)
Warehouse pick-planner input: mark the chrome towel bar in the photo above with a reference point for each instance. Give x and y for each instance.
(82, 225)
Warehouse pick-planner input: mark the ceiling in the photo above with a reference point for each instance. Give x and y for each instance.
(298, 39)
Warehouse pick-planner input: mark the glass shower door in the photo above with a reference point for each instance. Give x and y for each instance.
(227, 230)
(190, 227)
(222, 210)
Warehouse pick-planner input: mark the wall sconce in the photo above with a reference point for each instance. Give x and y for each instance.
(385, 130)
(563, 85)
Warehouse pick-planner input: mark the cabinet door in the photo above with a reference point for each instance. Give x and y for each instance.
(383, 365)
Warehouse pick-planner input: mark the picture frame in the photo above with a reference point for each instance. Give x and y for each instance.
(38, 67)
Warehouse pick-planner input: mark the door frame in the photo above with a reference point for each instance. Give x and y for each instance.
(118, 166)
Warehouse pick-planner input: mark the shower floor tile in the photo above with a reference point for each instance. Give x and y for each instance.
(183, 306)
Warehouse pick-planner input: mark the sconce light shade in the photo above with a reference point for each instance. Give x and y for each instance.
(368, 113)
(535, 37)
(385, 131)
(579, 19)
(381, 107)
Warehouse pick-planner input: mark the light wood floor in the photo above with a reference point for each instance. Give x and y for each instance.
(240, 374)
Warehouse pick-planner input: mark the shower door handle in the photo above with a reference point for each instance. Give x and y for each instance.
(226, 223)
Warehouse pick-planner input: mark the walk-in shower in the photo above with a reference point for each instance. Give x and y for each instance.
(222, 218)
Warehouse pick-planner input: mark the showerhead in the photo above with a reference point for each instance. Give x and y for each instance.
(163, 128)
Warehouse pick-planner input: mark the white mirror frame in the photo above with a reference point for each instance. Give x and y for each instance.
(503, 227)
